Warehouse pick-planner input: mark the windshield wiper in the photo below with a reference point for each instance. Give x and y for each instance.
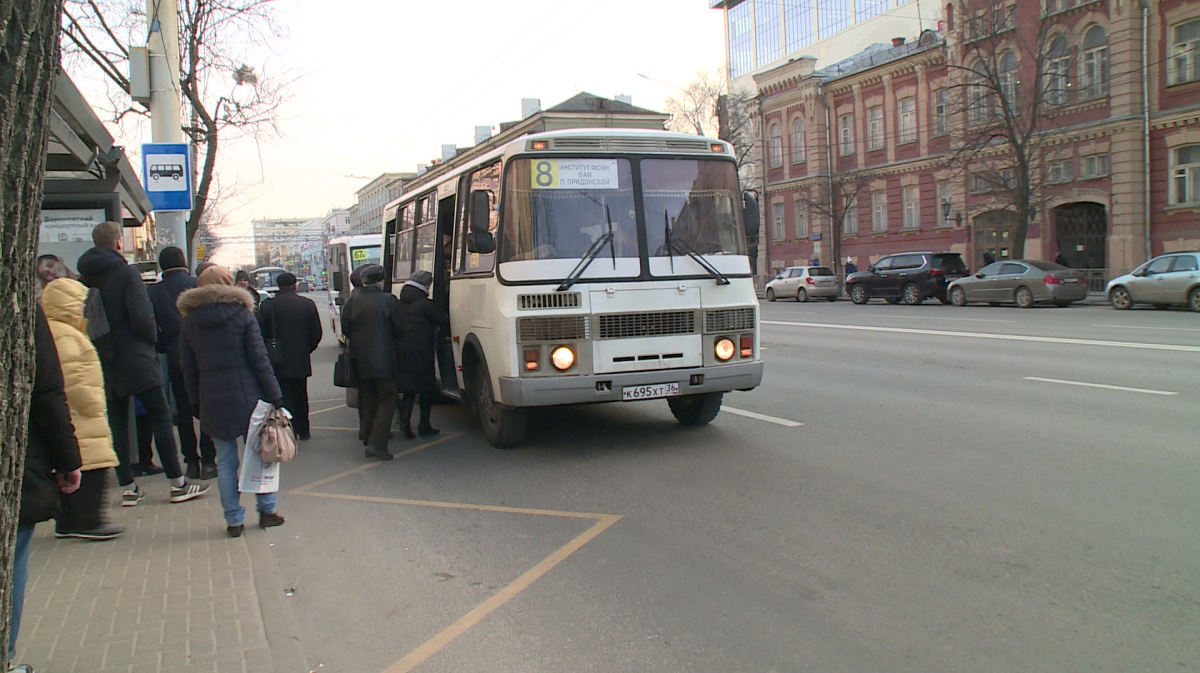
(667, 237)
(593, 250)
(690, 252)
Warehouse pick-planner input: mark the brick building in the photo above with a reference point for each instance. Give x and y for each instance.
(889, 127)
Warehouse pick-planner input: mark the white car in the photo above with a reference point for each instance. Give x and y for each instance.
(802, 282)
(1168, 279)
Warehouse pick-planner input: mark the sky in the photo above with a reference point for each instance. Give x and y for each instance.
(379, 85)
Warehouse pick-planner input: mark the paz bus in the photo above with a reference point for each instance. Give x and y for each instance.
(584, 265)
(343, 255)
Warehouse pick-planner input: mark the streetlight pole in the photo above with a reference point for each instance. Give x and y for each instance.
(162, 47)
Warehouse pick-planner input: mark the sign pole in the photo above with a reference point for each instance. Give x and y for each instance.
(165, 126)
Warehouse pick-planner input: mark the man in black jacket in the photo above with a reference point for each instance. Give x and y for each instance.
(293, 322)
(371, 323)
(176, 279)
(52, 460)
(127, 353)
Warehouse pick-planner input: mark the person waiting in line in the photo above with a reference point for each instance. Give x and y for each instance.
(415, 353)
(242, 280)
(83, 512)
(131, 366)
(226, 371)
(371, 321)
(295, 325)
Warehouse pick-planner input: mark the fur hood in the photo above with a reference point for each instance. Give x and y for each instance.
(206, 295)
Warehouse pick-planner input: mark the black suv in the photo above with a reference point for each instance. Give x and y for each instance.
(910, 277)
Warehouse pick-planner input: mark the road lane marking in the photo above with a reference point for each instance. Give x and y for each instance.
(1101, 385)
(1179, 329)
(996, 337)
(321, 411)
(921, 317)
(329, 427)
(762, 417)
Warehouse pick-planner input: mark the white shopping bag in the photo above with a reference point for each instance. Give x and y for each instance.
(257, 476)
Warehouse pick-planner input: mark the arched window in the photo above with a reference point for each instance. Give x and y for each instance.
(1185, 52)
(1093, 65)
(797, 141)
(1008, 80)
(776, 146)
(980, 104)
(1185, 174)
(1058, 72)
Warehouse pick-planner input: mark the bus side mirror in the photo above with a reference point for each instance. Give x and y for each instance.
(337, 280)
(750, 215)
(481, 242)
(481, 211)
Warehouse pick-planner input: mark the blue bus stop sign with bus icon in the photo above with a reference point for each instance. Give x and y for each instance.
(167, 175)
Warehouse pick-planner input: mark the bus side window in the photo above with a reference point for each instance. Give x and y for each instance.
(404, 243)
(487, 179)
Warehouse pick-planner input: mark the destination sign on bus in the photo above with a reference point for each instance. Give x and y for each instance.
(574, 174)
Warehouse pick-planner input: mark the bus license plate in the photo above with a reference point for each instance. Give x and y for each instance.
(650, 392)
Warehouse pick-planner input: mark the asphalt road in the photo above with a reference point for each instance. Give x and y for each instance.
(932, 489)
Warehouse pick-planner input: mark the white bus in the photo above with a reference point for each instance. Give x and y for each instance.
(266, 278)
(585, 265)
(343, 255)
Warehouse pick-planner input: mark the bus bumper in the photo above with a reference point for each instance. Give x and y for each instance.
(550, 391)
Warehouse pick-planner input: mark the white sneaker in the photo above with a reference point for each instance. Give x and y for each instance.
(132, 496)
(189, 490)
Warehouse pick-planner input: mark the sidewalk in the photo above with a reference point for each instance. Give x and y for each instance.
(174, 593)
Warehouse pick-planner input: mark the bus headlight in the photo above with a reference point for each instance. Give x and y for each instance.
(563, 358)
(725, 349)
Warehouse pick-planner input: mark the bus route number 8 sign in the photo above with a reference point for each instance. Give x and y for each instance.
(574, 174)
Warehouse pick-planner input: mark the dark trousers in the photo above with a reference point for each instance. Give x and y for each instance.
(295, 400)
(159, 413)
(406, 406)
(185, 424)
(84, 509)
(145, 440)
(377, 400)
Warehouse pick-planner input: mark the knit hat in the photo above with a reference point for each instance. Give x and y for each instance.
(421, 279)
(171, 257)
(215, 275)
(286, 279)
(372, 273)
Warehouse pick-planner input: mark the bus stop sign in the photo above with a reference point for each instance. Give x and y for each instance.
(167, 175)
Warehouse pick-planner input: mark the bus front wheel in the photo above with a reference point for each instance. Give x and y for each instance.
(696, 409)
(503, 426)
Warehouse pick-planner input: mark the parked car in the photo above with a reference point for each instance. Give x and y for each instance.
(803, 282)
(1168, 279)
(1023, 281)
(911, 277)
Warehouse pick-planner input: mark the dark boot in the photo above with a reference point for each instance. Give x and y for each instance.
(425, 429)
(406, 407)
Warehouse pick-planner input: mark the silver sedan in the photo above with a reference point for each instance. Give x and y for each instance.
(1167, 279)
(1022, 281)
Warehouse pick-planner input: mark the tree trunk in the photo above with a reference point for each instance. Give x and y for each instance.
(28, 68)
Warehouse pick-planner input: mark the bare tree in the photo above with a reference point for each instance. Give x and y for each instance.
(227, 98)
(705, 106)
(835, 196)
(29, 58)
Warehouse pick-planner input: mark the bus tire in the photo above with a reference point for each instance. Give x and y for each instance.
(504, 426)
(696, 409)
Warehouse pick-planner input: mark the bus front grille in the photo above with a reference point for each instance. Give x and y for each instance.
(729, 320)
(552, 300)
(662, 323)
(552, 328)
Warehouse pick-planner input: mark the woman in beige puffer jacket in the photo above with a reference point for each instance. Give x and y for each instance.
(82, 511)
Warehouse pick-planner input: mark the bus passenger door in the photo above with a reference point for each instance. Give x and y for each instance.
(441, 297)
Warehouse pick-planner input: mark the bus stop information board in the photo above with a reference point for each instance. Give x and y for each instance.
(167, 176)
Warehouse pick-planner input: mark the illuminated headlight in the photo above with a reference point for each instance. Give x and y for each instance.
(563, 358)
(725, 349)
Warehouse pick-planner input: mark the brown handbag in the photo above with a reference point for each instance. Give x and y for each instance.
(276, 440)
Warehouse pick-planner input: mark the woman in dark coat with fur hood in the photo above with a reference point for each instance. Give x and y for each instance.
(226, 371)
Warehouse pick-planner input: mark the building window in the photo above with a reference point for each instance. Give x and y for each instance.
(801, 219)
(980, 104)
(1058, 72)
(980, 183)
(908, 119)
(878, 211)
(797, 24)
(941, 112)
(768, 33)
(850, 217)
(1093, 76)
(865, 9)
(943, 198)
(1058, 172)
(1185, 59)
(1008, 80)
(776, 146)
(1008, 178)
(797, 141)
(741, 39)
(1093, 166)
(846, 131)
(833, 16)
(912, 207)
(875, 128)
(777, 232)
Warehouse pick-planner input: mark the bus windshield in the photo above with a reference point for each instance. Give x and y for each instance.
(367, 254)
(557, 208)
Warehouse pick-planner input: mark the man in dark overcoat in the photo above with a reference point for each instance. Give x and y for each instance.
(295, 325)
(371, 322)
